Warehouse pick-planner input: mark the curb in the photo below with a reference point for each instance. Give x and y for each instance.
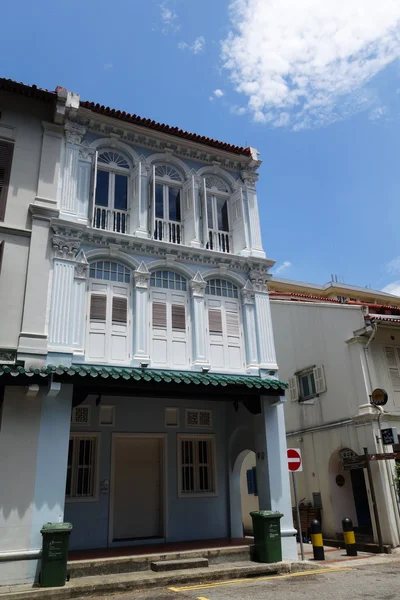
(114, 584)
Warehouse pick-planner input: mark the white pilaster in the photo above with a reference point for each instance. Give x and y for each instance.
(249, 323)
(72, 172)
(253, 225)
(196, 242)
(265, 337)
(141, 314)
(68, 296)
(142, 229)
(199, 334)
(49, 171)
(272, 471)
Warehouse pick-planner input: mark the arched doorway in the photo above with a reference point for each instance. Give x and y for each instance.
(349, 493)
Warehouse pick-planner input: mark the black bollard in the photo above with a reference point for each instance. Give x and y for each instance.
(349, 537)
(316, 540)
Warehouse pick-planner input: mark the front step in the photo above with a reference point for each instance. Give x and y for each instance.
(174, 565)
(132, 564)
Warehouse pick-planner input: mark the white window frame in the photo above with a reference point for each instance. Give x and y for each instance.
(215, 231)
(209, 437)
(295, 387)
(113, 169)
(167, 183)
(78, 435)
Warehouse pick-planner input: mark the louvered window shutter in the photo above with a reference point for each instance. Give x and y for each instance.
(119, 310)
(232, 323)
(159, 314)
(214, 320)
(6, 153)
(294, 392)
(98, 307)
(319, 378)
(178, 316)
(393, 367)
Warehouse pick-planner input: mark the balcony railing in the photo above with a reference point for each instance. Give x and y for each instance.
(219, 241)
(168, 231)
(110, 220)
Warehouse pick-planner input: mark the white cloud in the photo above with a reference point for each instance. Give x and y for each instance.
(393, 266)
(285, 265)
(169, 18)
(197, 47)
(302, 63)
(108, 66)
(238, 110)
(379, 113)
(392, 288)
(218, 93)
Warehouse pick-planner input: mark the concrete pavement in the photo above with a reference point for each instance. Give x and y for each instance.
(377, 579)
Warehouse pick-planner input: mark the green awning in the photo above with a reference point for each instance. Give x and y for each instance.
(149, 375)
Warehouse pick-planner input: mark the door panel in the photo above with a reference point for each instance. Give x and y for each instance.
(137, 488)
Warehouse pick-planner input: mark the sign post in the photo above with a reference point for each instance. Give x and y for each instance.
(295, 464)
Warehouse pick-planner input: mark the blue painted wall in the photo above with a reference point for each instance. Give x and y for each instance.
(187, 518)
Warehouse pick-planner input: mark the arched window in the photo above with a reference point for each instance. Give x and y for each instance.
(224, 325)
(167, 204)
(169, 320)
(218, 235)
(108, 311)
(111, 194)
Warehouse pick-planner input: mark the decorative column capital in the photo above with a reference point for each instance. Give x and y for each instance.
(145, 168)
(81, 266)
(248, 293)
(66, 245)
(250, 178)
(74, 132)
(259, 279)
(86, 152)
(142, 276)
(198, 286)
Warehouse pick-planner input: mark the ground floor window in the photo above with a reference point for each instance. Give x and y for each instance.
(82, 466)
(196, 465)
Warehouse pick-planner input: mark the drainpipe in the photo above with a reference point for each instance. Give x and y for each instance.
(389, 474)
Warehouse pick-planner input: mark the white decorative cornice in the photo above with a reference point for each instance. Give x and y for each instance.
(159, 141)
(74, 132)
(198, 286)
(248, 293)
(141, 276)
(102, 240)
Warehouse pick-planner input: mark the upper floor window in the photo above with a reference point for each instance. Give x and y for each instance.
(218, 219)
(6, 154)
(169, 320)
(307, 384)
(224, 325)
(111, 194)
(167, 204)
(108, 313)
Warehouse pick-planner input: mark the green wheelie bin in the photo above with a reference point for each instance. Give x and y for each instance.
(54, 554)
(267, 536)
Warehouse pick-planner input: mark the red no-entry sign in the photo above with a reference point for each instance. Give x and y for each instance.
(294, 459)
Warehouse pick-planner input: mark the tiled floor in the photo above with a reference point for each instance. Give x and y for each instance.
(158, 548)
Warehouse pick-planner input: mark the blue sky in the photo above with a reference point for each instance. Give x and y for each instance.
(314, 86)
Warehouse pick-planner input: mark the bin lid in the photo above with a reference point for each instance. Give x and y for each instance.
(266, 514)
(56, 528)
